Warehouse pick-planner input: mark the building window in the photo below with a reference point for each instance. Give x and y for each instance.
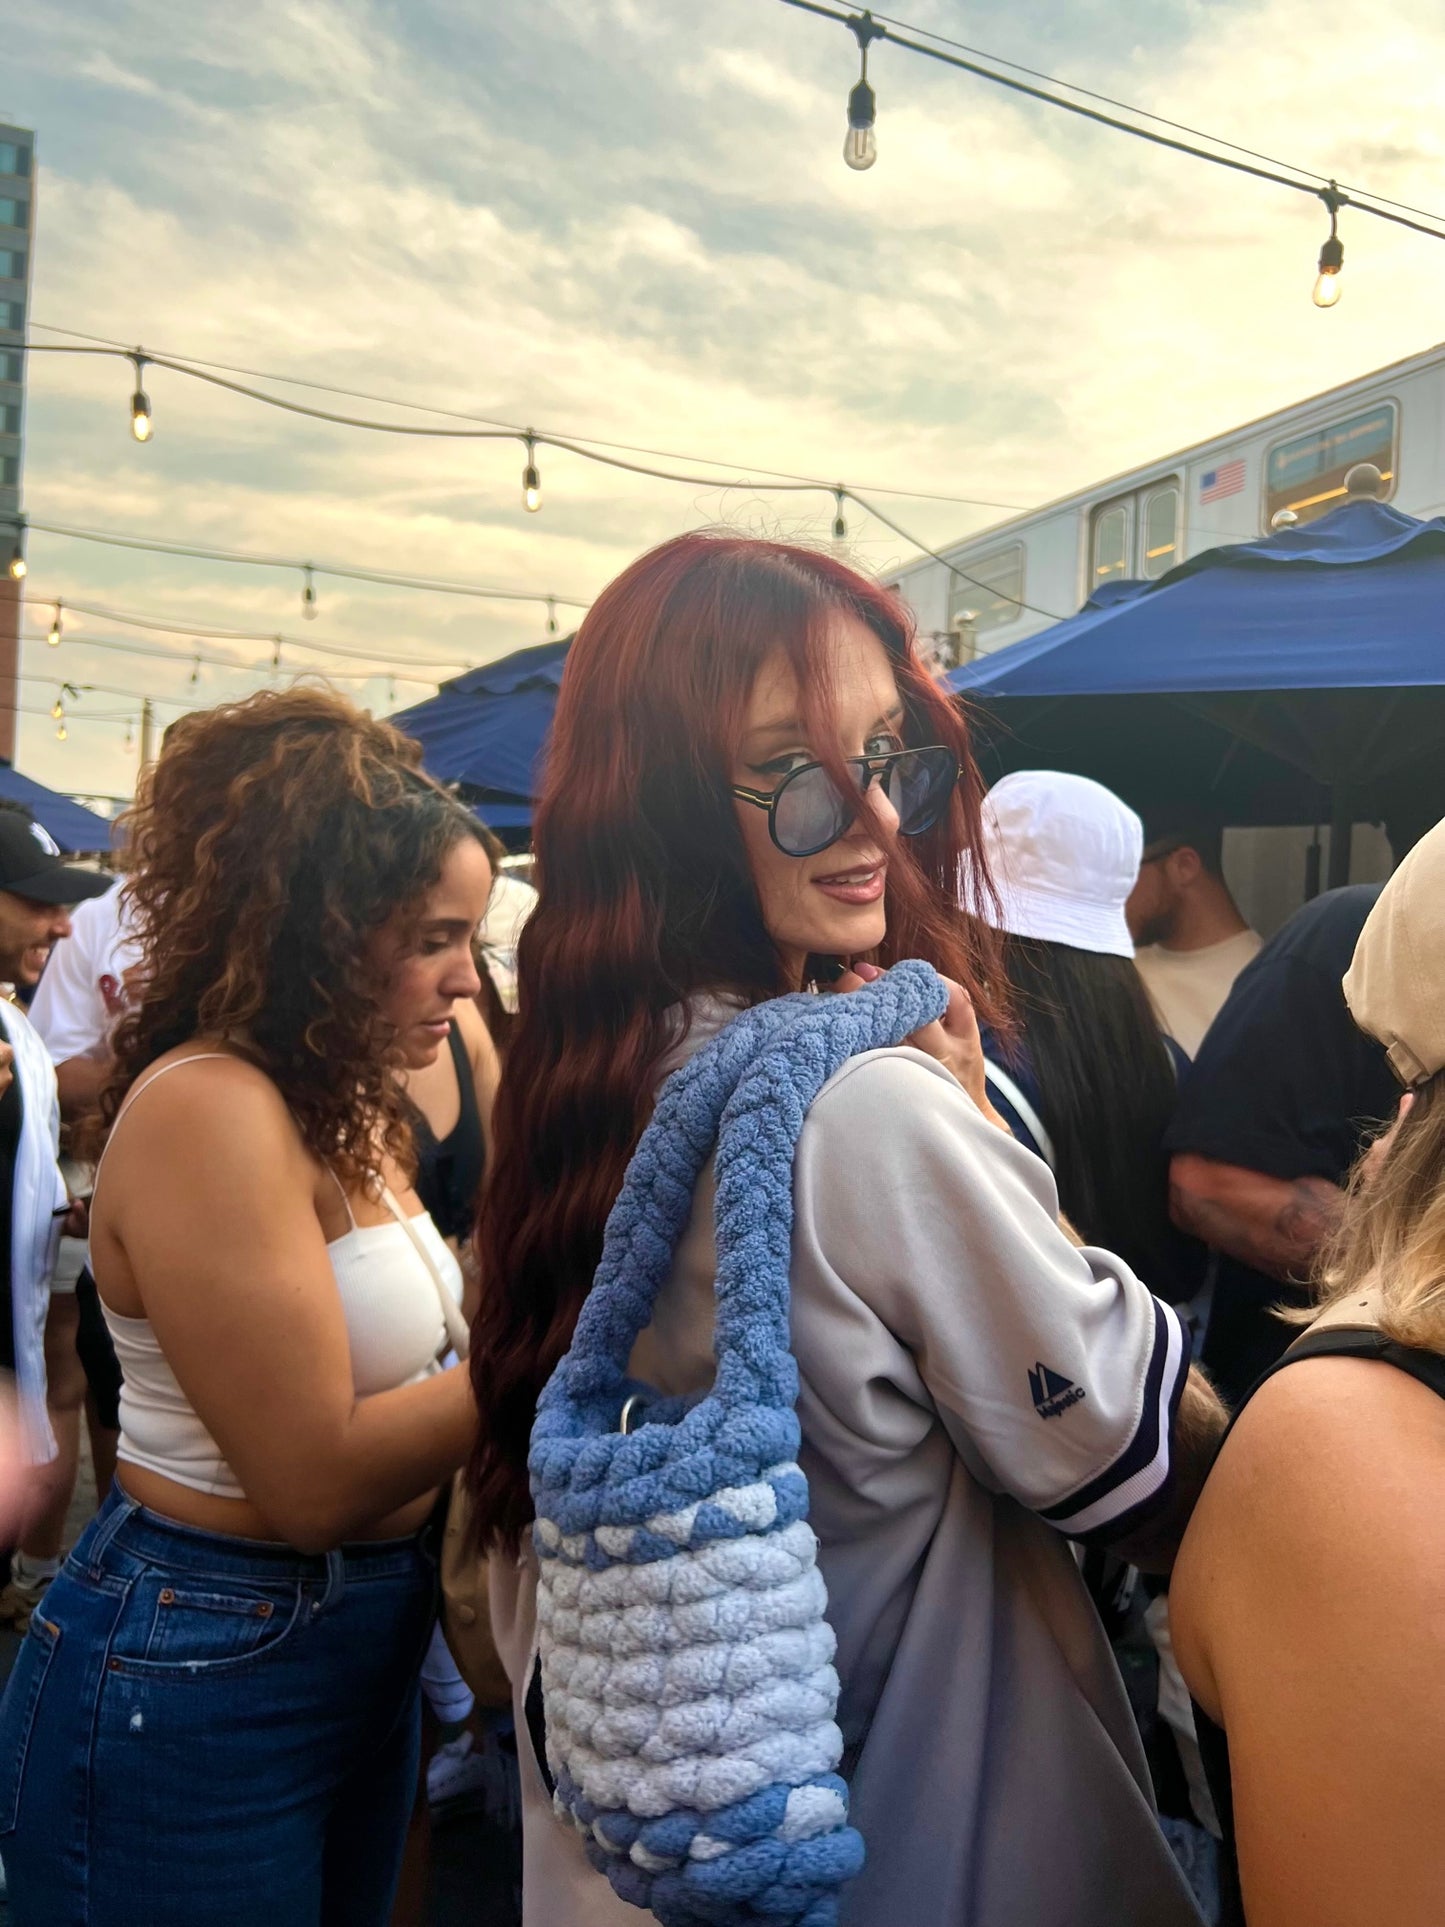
(14, 159)
(1161, 532)
(10, 419)
(9, 471)
(991, 594)
(14, 213)
(12, 315)
(12, 367)
(1307, 473)
(1111, 544)
(12, 264)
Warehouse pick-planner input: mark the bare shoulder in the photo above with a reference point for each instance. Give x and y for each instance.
(195, 1104)
(1329, 1489)
(474, 1033)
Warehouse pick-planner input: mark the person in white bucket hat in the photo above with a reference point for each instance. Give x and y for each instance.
(1089, 1084)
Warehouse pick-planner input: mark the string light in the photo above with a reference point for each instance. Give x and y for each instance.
(129, 734)
(195, 672)
(1332, 255)
(551, 617)
(57, 710)
(860, 145)
(141, 425)
(16, 565)
(308, 594)
(61, 732)
(840, 525)
(531, 480)
(55, 627)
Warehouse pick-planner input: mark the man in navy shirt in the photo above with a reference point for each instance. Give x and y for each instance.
(1271, 1117)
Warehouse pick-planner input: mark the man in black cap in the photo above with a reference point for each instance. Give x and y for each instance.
(37, 887)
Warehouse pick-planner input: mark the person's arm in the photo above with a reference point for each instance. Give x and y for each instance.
(1060, 1378)
(1273, 1224)
(211, 1198)
(81, 1081)
(1308, 1615)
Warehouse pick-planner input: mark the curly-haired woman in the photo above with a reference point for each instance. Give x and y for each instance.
(751, 774)
(215, 1715)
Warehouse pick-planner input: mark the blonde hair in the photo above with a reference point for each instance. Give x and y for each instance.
(1391, 1233)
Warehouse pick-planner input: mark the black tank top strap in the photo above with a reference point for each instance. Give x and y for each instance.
(449, 1170)
(1333, 1341)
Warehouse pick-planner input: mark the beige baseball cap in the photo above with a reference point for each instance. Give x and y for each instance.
(1395, 985)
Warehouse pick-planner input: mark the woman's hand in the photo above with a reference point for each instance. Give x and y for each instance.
(951, 1040)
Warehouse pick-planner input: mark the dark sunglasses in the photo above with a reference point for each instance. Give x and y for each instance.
(807, 812)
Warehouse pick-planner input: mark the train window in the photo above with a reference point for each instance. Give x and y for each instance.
(1161, 532)
(1111, 543)
(992, 593)
(1307, 473)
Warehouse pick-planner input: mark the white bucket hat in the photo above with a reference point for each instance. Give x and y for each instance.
(1064, 853)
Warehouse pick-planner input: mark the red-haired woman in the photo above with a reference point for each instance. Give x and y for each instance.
(751, 776)
(214, 1716)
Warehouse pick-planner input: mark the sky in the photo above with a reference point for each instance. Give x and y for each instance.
(629, 220)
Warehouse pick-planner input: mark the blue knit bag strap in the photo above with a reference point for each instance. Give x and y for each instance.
(745, 1096)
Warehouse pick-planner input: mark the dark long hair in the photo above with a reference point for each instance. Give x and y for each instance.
(1107, 1090)
(269, 843)
(646, 900)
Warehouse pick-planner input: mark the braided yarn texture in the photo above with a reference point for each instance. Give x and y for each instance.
(686, 1656)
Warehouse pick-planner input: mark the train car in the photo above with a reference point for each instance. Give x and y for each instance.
(1017, 577)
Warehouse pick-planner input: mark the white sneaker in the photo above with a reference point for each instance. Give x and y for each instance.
(454, 1769)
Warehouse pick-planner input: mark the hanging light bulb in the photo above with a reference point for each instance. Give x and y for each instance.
(195, 671)
(276, 654)
(840, 526)
(860, 147)
(16, 564)
(391, 689)
(57, 710)
(61, 732)
(308, 595)
(141, 425)
(531, 480)
(1327, 289)
(55, 627)
(551, 617)
(129, 734)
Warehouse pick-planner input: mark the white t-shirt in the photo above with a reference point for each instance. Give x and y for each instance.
(972, 1388)
(511, 903)
(82, 991)
(1188, 987)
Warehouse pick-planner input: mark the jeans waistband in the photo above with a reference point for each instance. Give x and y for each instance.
(132, 1528)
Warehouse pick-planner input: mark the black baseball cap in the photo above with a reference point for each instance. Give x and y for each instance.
(31, 865)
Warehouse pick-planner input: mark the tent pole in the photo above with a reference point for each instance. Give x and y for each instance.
(1342, 830)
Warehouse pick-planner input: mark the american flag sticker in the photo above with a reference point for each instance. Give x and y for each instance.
(1216, 483)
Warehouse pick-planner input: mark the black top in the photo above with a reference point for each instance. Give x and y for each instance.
(1339, 1341)
(1286, 1085)
(449, 1173)
(11, 1115)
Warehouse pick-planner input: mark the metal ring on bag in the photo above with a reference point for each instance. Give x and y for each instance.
(624, 1424)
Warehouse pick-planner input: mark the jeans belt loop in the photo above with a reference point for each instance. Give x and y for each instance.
(123, 1508)
(334, 1590)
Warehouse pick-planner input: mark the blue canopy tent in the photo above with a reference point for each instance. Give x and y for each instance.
(486, 731)
(78, 831)
(1298, 679)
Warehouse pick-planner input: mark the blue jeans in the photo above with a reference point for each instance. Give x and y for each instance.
(202, 1729)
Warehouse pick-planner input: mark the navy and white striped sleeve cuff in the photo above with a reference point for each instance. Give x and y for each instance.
(1140, 1479)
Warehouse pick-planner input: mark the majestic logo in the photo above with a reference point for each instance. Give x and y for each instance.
(1052, 1394)
(46, 841)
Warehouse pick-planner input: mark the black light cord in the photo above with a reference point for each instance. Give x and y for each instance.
(1259, 173)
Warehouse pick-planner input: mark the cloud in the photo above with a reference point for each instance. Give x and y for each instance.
(633, 221)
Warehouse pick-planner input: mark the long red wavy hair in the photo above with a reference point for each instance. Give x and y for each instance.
(646, 900)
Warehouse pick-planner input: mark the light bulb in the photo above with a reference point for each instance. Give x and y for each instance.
(860, 149)
(531, 489)
(18, 569)
(1327, 288)
(130, 735)
(57, 710)
(61, 732)
(551, 617)
(54, 637)
(308, 596)
(840, 526)
(141, 425)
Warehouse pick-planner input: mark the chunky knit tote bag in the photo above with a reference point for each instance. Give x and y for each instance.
(686, 1661)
